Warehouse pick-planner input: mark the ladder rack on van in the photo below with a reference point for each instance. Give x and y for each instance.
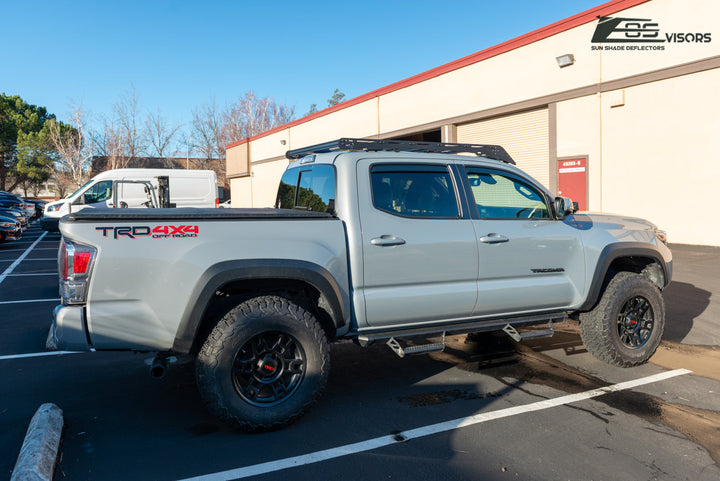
(489, 151)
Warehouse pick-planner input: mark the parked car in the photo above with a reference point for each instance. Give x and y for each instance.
(372, 240)
(30, 209)
(10, 228)
(17, 214)
(39, 208)
(15, 200)
(225, 205)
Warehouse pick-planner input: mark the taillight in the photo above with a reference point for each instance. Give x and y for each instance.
(217, 202)
(74, 265)
(81, 262)
(63, 261)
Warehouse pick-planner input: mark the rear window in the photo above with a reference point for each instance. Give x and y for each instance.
(414, 190)
(308, 188)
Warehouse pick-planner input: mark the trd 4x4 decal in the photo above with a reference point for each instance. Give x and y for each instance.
(157, 232)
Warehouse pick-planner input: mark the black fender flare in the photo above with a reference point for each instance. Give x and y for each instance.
(616, 251)
(228, 271)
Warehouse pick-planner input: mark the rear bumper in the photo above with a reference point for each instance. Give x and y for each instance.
(50, 224)
(68, 331)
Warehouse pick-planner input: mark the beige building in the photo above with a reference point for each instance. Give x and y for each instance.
(617, 107)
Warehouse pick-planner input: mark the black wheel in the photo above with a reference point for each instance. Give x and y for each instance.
(626, 326)
(264, 364)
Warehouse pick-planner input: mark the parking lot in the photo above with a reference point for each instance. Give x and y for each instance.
(489, 409)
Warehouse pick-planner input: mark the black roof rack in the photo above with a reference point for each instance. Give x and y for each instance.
(489, 151)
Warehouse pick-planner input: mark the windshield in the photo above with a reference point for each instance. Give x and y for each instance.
(81, 188)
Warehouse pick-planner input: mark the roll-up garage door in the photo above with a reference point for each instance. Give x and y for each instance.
(524, 135)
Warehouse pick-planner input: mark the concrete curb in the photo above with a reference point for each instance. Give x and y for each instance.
(38, 454)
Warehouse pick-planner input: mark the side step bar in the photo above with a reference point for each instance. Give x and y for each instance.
(517, 336)
(369, 336)
(419, 349)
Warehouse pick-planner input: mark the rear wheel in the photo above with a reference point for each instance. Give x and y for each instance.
(626, 326)
(264, 364)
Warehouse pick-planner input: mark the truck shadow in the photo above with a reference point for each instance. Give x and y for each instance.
(683, 304)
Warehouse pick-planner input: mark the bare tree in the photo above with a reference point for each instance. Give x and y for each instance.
(207, 134)
(127, 112)
(109, 143)
(63, 183)
(213, 129)
(253, 115)
(74, 148)
(160, 134)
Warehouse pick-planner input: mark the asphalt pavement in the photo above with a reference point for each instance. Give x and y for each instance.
(490, 409)
(692, 300)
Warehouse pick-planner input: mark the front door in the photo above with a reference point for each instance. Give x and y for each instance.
(419, 252)
(98, 196)
(529, 261)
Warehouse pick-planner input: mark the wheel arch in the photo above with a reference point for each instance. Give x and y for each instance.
(260, 276)
(640, 258)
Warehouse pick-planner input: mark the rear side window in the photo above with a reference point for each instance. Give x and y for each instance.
(287, 190)
(502, 196)
(414, 190)
(308, 188)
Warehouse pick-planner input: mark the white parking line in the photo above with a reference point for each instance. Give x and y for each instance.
(43, 259)
(30, 300)
(38, 354)
(38, 274)
(12, 266)
(380, 442)
(37, 249)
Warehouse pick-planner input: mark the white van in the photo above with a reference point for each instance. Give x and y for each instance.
(136, 188)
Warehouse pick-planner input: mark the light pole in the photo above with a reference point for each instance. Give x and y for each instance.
(187, 152)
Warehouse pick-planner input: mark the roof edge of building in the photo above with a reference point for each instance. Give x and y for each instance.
(541, 33)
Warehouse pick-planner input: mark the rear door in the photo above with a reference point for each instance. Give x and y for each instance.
(419, 250)
(529, 261)
(135, 193)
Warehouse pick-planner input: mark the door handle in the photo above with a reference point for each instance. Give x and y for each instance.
(493, 238)
(387, 240)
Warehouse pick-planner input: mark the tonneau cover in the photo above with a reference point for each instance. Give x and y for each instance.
(93, 215)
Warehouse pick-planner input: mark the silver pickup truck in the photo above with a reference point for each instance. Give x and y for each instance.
(373, 240)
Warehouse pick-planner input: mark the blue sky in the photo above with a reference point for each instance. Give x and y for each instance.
(179, 54)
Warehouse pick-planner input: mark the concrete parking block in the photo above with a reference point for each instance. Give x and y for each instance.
(38, 455)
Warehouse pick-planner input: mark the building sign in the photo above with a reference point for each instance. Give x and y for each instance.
(637, 34)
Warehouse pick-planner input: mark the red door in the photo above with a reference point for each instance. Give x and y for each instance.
(572, 180)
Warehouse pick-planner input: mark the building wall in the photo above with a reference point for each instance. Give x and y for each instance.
(578, 134)
(632, 114)
(660, 156)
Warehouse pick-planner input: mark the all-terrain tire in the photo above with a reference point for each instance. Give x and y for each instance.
(264, 364)
(626, 326)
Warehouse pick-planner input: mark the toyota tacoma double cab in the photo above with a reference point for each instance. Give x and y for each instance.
(371, 240)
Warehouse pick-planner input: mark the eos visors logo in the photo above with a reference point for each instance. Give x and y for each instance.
(640, 31)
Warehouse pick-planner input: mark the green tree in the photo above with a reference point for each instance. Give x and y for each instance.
(35, 156)
(336, 98)
(313, 109)
(16, 117)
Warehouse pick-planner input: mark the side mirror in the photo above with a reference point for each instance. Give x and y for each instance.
(80, 200)
(564, 207)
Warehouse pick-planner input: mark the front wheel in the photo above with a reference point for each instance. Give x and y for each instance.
(626, 326)
(264, 364)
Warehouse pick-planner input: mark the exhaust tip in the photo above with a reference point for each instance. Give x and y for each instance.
(158, 370)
